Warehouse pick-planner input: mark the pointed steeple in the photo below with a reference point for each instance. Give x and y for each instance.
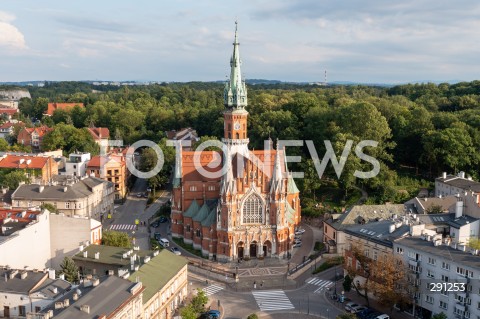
(228, 184)
(235, 92)
(276, 183)
(178, 169)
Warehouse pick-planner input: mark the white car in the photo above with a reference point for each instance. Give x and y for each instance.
(176, 251)
(350, 305)
(299, 231)
(357, 309)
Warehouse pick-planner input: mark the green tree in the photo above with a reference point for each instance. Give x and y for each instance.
(69, 139)
(440, 315)
(4, 145)
(69, 269)
(50, 207)
(13, 178)
(474, 243)
(188, 312)
(206, 138)
(199, 301)
(311, 181)
(252, 316)
(116, 239)
(347, 283)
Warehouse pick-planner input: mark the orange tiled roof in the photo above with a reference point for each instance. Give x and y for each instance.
(10, 124)
(41, 130)
(17, 214)
(99, 132)
(62, 106)
(19, 161)
(8, 111)
(98, 160)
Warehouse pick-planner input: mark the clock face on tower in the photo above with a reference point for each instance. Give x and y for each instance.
(236, 126)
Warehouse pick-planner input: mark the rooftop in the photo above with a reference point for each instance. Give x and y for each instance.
(466, 184)
(80, 189)
(12, 280)
(106, 298)
(111, 255)
(379, 232)
(23, 161)
(444, 251)
(362, 214)
(99, 132)
(158, 272)
(446, 203)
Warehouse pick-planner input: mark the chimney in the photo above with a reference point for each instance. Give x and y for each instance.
(444, 175)
(66, 303)
(85, 254)
(51, 273)
(75, 296)
(23, 274)
(85, 308)
(65, 189)
(459, 209)
(97, 255)
(96, 282)
(12, 273)
(461, 174)
(61, 276)
(55, 290)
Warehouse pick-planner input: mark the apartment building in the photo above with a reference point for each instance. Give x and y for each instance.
(111, 168)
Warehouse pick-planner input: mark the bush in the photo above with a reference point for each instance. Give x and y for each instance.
(329, 263)
(319, 246)
(252, 316)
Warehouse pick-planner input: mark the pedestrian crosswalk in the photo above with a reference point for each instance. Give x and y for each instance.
(212, 289)
(269, 300)
(122, 227)
(321, 283)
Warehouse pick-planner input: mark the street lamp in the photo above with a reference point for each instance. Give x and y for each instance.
(328, 314)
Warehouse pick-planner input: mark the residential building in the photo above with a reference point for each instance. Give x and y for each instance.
(38, 168)
(100, 260)
(432, 263)
(87, 197)
(76, 165)
(112, 168)
(185, 134)
(24, 291)
(52, 107)
(7, 128)
(32, 136)
(68, 234)
(109, 298)
(245, 211)
(166, 284)
(100, 136)
(8, 113)
(333, 228)
(25, 238)
(466, 189)
(427, 205)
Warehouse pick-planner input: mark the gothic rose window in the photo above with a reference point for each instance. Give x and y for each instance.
(253, 210)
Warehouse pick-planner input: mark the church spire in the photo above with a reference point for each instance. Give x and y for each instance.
(235, 92)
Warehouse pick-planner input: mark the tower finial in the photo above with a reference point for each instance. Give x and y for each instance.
(235, 92)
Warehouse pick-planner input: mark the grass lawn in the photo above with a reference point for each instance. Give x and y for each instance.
(187, 247)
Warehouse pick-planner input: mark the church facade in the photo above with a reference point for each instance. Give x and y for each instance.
(237, 203)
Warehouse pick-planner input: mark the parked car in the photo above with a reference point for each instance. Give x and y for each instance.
(157, 236)
(365, 313)
(163, 219)
(299, 231)
(176, 251)
(139, 195)
(296, 245)
(297, 241)
(349, 305)
(373, 315)
(357, 309)
(145, 195)
(155, 224)
(212, 314)
(383, 316)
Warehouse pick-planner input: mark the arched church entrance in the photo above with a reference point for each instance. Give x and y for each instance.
(267, 248)
(240, 250)
(253, 249)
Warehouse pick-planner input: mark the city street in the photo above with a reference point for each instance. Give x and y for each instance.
(135, 208)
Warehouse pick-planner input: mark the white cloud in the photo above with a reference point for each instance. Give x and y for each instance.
(10, 37)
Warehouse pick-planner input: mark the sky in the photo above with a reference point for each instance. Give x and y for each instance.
(289, 40)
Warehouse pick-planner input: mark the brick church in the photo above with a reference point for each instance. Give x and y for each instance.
(248, 206)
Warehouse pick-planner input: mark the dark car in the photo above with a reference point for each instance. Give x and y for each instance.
(364, 313)
(155, 224)
(163, 219)
(211, 314)
(157, 236)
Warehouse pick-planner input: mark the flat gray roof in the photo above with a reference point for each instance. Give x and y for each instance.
(443, 251)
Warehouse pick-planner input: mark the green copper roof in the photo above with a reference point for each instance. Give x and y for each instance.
(192, 210)
(235, 91)
(211, 218)
(290, 213)
(202, 214)
(155, 274)
(291, 186)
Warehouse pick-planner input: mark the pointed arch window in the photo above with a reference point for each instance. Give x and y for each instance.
(253, 210)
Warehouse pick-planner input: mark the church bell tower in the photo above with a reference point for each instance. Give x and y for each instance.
(235, 100)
